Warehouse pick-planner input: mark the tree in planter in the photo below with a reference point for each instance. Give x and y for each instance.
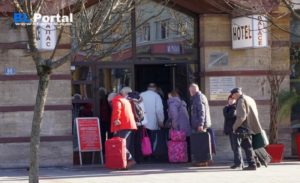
(93, 32)
(275, 79)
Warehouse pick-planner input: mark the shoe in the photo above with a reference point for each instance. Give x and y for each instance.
(130, 163)
(203, 164)
(236, 167)
(258, 165)
(251, 167)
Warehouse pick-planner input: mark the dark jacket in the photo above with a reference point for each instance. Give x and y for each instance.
(200, 114)
(229, 113)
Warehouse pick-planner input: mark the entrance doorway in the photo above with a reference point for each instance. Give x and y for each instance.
(167, 76)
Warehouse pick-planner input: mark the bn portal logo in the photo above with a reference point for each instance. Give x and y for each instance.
(21, 18)
(37, 18)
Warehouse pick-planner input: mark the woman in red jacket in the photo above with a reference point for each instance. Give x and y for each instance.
(122, 120)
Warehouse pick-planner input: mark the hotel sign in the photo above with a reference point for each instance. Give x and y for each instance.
(249, 32)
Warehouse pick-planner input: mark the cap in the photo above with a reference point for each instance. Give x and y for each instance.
(236, 90)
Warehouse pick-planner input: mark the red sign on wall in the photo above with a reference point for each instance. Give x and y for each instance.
(88, 134)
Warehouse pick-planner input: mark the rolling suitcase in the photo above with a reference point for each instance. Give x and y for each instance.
(201, 147)
(115, 153)
(263, 156)
(177, 151)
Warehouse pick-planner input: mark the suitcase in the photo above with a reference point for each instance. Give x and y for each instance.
(263, 156)
(160, 145)
(115, 153)
(201, 147)
(177, 152)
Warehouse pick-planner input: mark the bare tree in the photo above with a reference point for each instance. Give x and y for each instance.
(275, 79)
(97, 30)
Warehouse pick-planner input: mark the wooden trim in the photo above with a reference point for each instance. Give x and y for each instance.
(31, 108)
(237, 73)
(242, 73)
(281, 43)
(26, 77)
(215, 44)
(43, 139)
(23, 45)
(224, 102)
(229, 44)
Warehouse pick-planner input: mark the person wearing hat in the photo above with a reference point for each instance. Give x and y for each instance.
(246, 124)
(122, 120)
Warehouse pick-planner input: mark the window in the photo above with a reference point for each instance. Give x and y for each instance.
(145, 33)
(162, 30)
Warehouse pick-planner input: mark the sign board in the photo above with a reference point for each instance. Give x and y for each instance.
(173, 48)
(46, 36)
(220, 87)
(249, 32)
(9, 71)
(89, 137)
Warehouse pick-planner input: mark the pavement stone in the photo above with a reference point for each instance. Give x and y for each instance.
(286, 172)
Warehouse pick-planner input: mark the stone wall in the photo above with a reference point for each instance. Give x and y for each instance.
(18, 93)
(249, 67)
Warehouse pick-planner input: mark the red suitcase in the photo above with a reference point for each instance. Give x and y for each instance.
(115, 153)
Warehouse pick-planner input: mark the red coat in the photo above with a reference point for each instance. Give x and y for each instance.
(121, 109)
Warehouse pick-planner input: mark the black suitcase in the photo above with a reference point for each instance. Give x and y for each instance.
(160, 147)
(263, 156)
(201, 147)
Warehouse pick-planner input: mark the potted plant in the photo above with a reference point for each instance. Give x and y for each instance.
(289, 101)
(275, 79)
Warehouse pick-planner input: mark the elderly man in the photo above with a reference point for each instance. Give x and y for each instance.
(246, 124)
(122, 120)
(200, 120)
(200, 115)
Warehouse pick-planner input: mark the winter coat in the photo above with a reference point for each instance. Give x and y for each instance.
(121, 110)
(153, 108)
(178, 114)
(200, 113)
(247, 115)
(229, 113)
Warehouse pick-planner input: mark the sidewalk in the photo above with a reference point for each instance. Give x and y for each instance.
(287, 172)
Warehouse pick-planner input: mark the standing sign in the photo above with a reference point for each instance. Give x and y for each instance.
(249, 32)
(89, 137)
(220, 87)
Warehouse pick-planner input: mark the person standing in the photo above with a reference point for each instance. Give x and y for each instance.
(201, 140)
(246, 124)
(122, 120)
(153, 108)
(178, 114)
(200, 113)
(229, 112)
(138, 109)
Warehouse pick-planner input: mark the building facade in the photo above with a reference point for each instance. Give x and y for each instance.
(184, 43)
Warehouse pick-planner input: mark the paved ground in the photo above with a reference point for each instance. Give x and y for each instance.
(287, 172)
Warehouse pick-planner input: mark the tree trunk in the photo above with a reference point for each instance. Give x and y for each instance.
(274, 119)
(41, 96)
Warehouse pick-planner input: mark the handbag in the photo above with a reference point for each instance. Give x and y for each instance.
(177, 135)
(146, 144)
(260, 140)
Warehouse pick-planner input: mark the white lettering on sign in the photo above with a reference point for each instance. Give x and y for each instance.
(249, 32)
(9, 71)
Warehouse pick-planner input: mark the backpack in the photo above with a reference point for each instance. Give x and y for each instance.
(137, 110)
